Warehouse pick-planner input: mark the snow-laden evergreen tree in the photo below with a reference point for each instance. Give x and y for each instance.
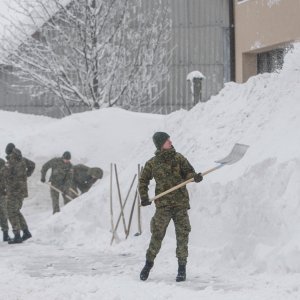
(96, 53)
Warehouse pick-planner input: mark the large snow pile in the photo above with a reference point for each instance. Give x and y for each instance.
(244, 215)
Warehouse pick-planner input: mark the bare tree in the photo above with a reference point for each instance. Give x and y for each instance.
(96, 53)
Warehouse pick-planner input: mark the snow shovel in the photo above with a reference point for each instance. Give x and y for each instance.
(58, 190)
(237, 152)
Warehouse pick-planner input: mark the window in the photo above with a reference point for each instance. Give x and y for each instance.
(268, 62)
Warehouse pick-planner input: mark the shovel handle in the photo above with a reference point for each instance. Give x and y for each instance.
(213, 169)
(176, 187)
(58, 190)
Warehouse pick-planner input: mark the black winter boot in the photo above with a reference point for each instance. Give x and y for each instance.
(146, 270)
(6, 237)
(17, 239)
(181, 276)
(26, 235)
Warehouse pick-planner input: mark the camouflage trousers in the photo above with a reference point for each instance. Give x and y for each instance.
(3, 213)
(159, 224)
(16, 219)
(55, 200)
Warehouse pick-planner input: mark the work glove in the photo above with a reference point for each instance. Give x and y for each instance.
(198, 177)
(43, 179)
(145, 201)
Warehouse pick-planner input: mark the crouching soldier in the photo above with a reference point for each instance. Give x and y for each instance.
(16, 189)
(84, 177)
(3, 203)
(60, 179)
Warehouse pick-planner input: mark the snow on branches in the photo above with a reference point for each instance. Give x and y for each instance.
(96, 53)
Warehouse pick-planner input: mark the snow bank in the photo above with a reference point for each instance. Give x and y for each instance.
(245, 215)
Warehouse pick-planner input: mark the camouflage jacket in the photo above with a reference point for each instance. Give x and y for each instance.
(2, 182)
(61, 175)
(15, 176)
(168, 168)
(83, 177)
(30, 165)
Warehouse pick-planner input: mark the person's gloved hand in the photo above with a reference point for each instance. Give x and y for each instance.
(43, 179)
(145, 201)
(198, 177)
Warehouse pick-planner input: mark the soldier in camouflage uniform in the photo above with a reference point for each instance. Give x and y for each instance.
(84, 177)
(30, 165)
(16, 189)
(169, 168)
(61, 178)
(3, 203)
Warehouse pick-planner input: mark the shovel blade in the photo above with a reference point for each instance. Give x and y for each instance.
(237, 152)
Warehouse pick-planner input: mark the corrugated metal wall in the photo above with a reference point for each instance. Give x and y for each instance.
(201, 42)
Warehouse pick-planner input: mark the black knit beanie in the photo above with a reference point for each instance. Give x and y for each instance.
(66, 155)
(159, 138)
(9, 148)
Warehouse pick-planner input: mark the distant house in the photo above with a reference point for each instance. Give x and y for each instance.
(203, 41)
(264, 29)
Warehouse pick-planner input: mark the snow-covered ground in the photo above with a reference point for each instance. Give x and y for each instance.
(245, 239)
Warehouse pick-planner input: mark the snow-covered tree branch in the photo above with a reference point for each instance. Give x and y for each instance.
(96, 53)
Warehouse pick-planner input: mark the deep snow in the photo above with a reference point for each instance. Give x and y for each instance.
(245, 239)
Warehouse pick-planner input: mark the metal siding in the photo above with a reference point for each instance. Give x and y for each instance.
(179, 18)
(200, 38)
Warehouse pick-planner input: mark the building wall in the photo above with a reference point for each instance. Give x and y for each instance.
(201, 42)
(260, 26)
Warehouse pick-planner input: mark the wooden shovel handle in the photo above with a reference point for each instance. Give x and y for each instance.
(59, 191)
(176, 187)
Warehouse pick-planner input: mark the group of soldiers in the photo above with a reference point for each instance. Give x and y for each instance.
(168, 168)
(66, 179)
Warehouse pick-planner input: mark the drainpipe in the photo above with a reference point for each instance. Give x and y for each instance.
(232, 40)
